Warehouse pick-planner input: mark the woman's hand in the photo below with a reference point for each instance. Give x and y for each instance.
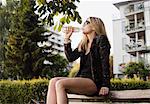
(104, 91)
(68, 32)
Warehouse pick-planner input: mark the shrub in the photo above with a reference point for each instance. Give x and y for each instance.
(21, 92)
(129, 84)
(136, 68)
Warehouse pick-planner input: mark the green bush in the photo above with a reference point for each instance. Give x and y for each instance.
(22, 91)
(139, 69)
(129, 84)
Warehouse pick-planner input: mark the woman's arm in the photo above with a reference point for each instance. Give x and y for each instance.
(105, 52)
(71, 55)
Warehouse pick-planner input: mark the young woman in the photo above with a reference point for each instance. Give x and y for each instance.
(93, 76)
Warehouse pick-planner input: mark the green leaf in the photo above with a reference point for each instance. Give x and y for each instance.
(79, 20)
(55, 26)
(57, 13)
(40, 2)
(78, 0)
(68, 20)
(70, 13)
(63, 19)
(40, 9)
(71, 17)
(59, 27)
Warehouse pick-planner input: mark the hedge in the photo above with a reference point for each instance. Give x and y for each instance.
(22, 91)
(129, 84)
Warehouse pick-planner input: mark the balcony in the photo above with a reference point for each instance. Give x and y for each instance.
(138, 46)
(132, 29)
(134, 8)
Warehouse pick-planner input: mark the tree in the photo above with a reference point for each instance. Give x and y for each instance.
(67, 9)
(24, 58)
(5, 19)
(131, 69)
(22, 52)
(138, 69)
(57, 67)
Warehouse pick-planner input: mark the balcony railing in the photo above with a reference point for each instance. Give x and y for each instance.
(136, 46)
(134, 8)
(132, 28)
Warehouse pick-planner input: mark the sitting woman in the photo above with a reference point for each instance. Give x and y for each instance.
(93, 76)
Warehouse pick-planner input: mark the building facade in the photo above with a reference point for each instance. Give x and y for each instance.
(56, 41)
(2, 2)
(131, 33)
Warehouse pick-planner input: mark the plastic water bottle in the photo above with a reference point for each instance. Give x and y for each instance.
(75, 29)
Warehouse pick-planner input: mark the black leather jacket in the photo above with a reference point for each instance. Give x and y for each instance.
(100, 51)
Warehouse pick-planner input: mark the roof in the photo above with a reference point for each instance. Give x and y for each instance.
(126, 2)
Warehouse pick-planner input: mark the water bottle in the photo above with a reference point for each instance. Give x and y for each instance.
(75, 29)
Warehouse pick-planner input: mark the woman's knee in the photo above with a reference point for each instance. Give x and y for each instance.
(60, 84)
(53, 81)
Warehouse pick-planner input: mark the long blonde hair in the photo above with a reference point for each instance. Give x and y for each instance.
(99, 29)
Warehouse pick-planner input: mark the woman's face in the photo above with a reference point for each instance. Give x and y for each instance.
(87, 27)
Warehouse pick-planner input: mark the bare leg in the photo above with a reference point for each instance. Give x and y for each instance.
(73, 85)
(51, 94)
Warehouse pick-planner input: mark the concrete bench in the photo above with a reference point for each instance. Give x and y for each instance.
(115, 97)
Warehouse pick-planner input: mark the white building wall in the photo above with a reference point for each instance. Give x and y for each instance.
(147, 21)
(117, 45)
(122, 11)
(120, 39)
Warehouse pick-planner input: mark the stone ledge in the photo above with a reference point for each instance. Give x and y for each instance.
(115, 96)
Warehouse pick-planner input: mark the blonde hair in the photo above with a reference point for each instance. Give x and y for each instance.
(99, 29)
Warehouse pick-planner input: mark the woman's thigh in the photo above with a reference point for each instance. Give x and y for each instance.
(78, 85)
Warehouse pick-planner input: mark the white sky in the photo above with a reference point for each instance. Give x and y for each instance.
(103, 9)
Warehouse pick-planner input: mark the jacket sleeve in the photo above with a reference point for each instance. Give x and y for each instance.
(105, 52)
(71, 55)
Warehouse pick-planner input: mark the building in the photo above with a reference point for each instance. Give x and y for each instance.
(5, 2)
(56, 40)
(131, 33)
(2, 2)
